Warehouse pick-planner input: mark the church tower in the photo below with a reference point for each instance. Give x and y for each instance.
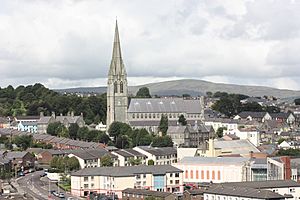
(117, 90)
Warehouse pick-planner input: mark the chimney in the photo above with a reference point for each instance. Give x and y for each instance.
(72, 114)
(53, 114)
(61, 114)
(41, 114)
(81, 114)
(68, 114)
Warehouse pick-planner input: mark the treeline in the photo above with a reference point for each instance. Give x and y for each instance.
(230, 105)
(33, 99)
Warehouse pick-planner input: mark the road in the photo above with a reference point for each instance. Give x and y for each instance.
(37, 187)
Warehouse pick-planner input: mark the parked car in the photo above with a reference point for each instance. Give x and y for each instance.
(55, 193)
(61, 195)
(43, 174)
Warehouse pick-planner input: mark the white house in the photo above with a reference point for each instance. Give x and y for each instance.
(160, 155)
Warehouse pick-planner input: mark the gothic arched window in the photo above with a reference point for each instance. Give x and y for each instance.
(115, 87)
(121, 87)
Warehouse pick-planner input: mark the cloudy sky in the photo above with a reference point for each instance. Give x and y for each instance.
(68, 43)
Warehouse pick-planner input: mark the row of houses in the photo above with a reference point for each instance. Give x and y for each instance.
(65, 143)
(39, 124)
(91, 157)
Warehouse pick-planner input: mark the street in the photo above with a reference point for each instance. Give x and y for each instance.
(33, 185)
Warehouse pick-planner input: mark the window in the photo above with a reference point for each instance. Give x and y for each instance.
(85, 178)
(202, 174)
(192, 174)
(186, 174)
(137, 115)
(144, 175)
(213, 175)
(171, 181)
(85, 186)
(177, 175)
(292, 190)
(207, 174)
(115, 87)
(197, 174)
(133, 115)
(121, 87)
(92, 185)
(219, 175)
(176, 182)
(92, 178)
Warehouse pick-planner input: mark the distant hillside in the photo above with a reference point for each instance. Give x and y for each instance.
(194, 88)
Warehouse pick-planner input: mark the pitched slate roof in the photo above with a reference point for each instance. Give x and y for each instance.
(164, 105)
(159, 151)
(129, 153)
(242, 192)
(44, 120)
(280, 115)
(245, 114)
(126, 170)
(15, 154)
(91, 153)
(146, 192)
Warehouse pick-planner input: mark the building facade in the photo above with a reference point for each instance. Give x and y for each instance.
(112, 180)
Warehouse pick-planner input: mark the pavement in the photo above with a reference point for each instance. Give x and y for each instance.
(38, 188)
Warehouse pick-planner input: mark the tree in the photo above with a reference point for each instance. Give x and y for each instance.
(150, 162)
(163, 124)
(106, 161)
(103, 138)
(63, 132)
(209, 94)
(143, 92)
(73, 164)
(54, 128)
(134, 162)
(140, 137)
(82, 133)
(54, 162)
(118, 128)
(73, 129)
(164, 141)
(297, 101)
(182, 121)
(280, 140)
(220, 131)
(123, 141)
(23, 141)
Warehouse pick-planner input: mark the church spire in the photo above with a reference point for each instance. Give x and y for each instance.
(117, 46)
(117, 67)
